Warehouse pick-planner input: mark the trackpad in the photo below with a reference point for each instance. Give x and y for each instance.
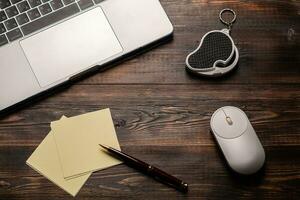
(71, 47)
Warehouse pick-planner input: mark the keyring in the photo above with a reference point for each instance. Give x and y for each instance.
(229, 24)
(216, 54)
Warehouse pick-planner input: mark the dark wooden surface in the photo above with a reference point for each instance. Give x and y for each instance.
(162, 114)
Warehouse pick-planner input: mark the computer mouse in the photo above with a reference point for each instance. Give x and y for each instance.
(237, 140)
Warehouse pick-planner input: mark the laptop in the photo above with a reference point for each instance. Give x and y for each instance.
(46, 43)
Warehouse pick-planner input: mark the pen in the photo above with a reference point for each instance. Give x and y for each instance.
(148, 169)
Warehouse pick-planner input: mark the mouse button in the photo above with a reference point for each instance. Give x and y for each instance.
(221, 126)
(237, 117)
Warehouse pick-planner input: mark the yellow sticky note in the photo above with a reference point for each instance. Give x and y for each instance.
(77, 140)
(45, 160)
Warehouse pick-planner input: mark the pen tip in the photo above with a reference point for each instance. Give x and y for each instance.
(103, 146)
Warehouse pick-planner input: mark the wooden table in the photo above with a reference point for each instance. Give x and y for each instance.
(162, 114)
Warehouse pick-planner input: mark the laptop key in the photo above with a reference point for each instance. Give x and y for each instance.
(45, 1)
(3, 40)
(33, 14)
(56, 4)
(2, 16)
(22, 19)
(11, 11)
(15, 1)
(98, 1)
(23, 6)
(2, 28)
(45, 9)
(14, 34)
(50, 19)
(10, 24)
(4, 4)
(67, 2)
(84, 4)
(34, 3)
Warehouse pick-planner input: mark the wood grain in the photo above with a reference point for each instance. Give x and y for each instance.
(162, 114)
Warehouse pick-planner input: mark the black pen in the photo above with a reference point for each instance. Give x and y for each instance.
(148, 169)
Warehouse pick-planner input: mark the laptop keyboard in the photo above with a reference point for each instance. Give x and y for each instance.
(19, 18)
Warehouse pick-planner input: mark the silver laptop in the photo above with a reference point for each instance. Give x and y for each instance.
(44, 43)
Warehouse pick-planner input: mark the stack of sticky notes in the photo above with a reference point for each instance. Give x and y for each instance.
(71, 152)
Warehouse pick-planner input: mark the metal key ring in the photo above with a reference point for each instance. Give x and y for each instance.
(229, 24)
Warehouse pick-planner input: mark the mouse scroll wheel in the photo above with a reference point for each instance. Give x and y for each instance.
(229, 121)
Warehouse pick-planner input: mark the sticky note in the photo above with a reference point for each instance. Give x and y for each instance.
(45, 161)
(77, 140)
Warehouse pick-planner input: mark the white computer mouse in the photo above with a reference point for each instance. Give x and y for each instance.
(237, 140)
